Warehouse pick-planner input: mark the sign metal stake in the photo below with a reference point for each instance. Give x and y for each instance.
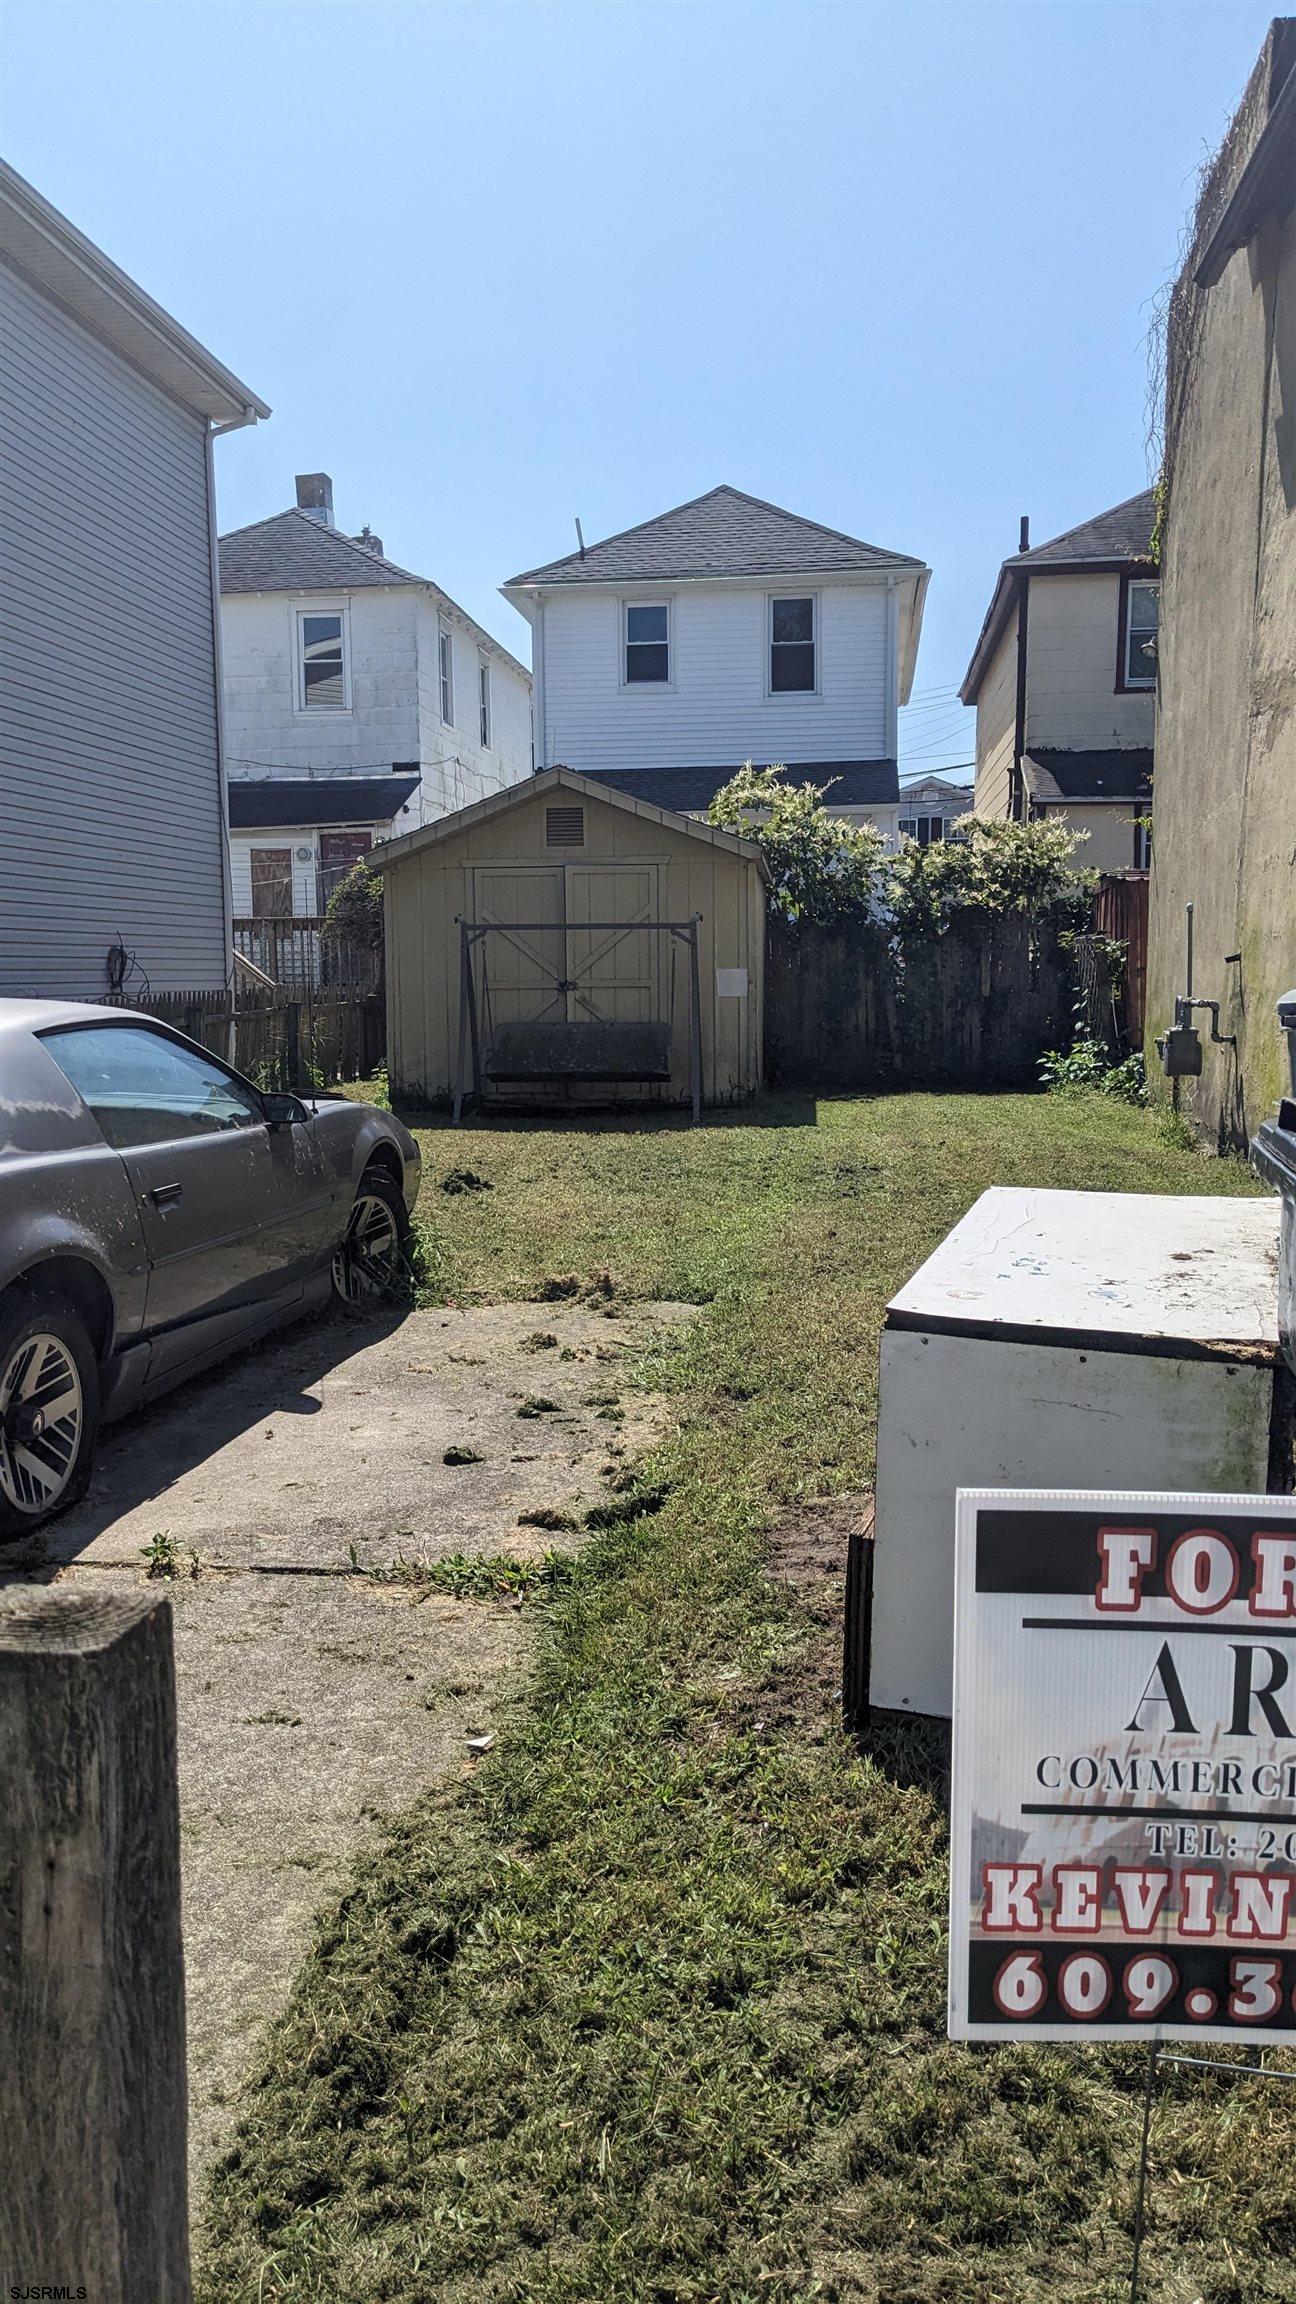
(1149, 2090)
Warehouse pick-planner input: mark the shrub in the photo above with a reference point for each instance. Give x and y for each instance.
(821, 871)
(354, 913)
(1087, 1065)
(991, 866)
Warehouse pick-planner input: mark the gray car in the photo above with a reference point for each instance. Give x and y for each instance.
(157, 1210)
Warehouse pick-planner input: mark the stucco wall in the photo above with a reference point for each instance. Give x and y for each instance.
(1226, 731)
(1108, 842)
(996, 727)
(1072, 643)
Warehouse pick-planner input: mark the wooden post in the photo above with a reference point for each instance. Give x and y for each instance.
(292, 1046)
(92, 2015)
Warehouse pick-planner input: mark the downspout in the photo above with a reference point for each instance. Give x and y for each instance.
(1017, 795)
(893, 693)
(218, 675)
(539, 758)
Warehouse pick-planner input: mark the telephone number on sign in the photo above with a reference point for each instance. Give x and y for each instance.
(1026, 1988)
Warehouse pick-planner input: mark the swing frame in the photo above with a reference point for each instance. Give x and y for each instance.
(474, 933)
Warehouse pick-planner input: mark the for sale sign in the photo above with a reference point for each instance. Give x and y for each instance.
(1124, 1799)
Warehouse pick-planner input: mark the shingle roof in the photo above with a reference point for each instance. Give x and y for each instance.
(854, 783)
(723, 533)
(1052, 776)
(1122, 535)
(263, 801)
(294, 553)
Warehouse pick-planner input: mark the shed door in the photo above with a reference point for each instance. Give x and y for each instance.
(524, 966)
(547, 965)
(616, 975)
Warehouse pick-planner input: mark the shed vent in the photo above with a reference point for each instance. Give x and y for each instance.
(565, 827)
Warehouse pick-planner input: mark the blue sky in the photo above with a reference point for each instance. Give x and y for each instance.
(496, 266)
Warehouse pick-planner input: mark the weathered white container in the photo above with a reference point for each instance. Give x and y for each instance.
(1061, 1340)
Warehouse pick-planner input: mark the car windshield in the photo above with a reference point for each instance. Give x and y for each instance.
(144, 1088)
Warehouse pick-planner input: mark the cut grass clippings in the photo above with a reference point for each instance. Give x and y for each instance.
(653, 2008)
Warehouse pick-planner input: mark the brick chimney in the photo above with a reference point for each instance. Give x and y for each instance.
(370, 542)
(315, 496)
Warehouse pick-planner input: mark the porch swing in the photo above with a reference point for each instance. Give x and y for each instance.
(565, 1050)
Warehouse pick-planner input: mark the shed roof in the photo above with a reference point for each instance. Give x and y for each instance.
(1119, 538)
(445, 828)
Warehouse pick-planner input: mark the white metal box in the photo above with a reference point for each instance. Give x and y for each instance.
(1061, 1340)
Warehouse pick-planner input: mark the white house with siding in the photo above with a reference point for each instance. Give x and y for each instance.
(112, 815)
(723, 631)
(362, 688)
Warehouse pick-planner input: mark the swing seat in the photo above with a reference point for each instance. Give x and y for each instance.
(590, 1051)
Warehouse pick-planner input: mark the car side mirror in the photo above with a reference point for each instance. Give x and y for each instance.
(283, 1111)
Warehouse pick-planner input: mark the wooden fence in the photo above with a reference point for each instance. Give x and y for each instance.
(974, 1008)
(1121, 911)
(278, 1041)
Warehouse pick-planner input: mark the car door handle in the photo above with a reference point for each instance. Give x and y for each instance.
(165, 1195)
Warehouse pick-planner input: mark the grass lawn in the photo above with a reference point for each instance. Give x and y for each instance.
(654, 2008)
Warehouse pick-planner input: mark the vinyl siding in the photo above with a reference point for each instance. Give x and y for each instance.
(1107, 843)
(111, 814)
(716, 710)
(996, 728)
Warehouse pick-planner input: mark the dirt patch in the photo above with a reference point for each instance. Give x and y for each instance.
(801, 1693)
(315, 1690)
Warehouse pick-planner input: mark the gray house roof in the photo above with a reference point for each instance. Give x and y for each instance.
(854, 783)
(1056, 775)
(294, 553)
(1121, 538)
(261, 803)
(723, 533)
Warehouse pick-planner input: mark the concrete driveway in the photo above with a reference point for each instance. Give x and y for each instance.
(313, 1695)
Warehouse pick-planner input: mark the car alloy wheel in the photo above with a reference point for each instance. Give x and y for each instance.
(42, 1423)
(370, 1264)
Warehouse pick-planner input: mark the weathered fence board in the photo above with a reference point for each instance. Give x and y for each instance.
(975, 1007)
(92, 2016)
(1121, 912)
(279, 1041)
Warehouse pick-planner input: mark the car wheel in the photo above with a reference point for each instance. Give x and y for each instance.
(49, 1408)
(370, 1264)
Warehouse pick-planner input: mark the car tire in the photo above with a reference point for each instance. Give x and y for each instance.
(46, 1359)
(371, 1261)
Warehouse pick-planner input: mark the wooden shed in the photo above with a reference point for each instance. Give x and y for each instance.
(563, 942)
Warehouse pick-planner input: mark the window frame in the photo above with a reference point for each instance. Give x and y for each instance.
(485, 702)
(1130, 577)
(638, 600)
(816, 638)
(445, 671)
(300, 705)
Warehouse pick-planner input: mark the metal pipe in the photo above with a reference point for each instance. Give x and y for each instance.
(1190, 951)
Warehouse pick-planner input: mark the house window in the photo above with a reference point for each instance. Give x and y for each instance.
(445, 663)
(792, 646)
(483, 703)
(647, 643)
(322, 654)
(1142, 843)
(924, 829)
(1138, 660)
(272, 888)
